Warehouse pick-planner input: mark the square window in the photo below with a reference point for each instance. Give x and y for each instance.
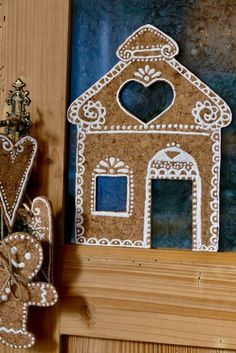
(111, 193)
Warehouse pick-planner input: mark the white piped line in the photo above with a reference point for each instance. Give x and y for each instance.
(43, 294)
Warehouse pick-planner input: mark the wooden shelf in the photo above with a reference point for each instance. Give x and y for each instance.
(164, 296)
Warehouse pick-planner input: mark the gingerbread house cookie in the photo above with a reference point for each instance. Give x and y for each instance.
(119, 148)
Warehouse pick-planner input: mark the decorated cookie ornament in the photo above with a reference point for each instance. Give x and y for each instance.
(16, 165)
(21, 257)
(39, 219)
(121, 150)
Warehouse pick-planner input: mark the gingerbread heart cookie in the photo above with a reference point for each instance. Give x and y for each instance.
(16, 164)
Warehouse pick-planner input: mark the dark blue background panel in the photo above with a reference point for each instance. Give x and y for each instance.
(111, 193)
(172, 214)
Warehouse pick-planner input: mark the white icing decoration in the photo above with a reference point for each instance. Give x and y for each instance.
(215, 194)
(80, 160)
(194, 133)
(4, 297)
(10, 330)
(142, 53)
(207, 115)
(14, 250)
(107, 242)
(38, 230)
(174, 163)
(225, 112)
(74, 108)
(27, 256)
(94, 116)
(43, 294)
(147, 74)
(17, 264)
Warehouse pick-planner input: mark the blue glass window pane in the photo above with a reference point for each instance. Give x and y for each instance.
(172, 214)
(111, 193)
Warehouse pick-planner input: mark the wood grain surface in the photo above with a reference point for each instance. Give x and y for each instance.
(173, 297)
(115, 298)
(76, 344)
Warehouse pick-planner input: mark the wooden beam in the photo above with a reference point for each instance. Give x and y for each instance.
(172, 297)
(77, 344)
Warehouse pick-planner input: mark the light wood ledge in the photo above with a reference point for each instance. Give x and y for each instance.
(163, 296)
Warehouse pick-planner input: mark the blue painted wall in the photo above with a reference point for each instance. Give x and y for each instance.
(206, 34)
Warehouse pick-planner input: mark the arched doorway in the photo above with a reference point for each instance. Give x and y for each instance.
(173, 163)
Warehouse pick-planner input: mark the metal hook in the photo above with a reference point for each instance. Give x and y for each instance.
(18, 121)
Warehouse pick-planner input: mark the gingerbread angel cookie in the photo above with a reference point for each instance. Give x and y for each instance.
(21, 257)
(39, 219)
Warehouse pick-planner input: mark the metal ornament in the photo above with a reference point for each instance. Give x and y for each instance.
(18, 121)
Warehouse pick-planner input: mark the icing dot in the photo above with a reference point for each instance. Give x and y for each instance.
(14, 250)
(4, 297)
(7, 290)
(27, 256)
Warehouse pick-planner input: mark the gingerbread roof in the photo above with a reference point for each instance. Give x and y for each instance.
(149, 44)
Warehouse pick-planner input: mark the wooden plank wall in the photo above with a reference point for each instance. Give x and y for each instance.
(34, 47)
(113, 297)
(75, 344)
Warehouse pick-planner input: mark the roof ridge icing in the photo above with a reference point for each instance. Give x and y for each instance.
(147, 42)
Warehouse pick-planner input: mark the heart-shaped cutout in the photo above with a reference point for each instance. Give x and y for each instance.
(16, 164)
(146, 102)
